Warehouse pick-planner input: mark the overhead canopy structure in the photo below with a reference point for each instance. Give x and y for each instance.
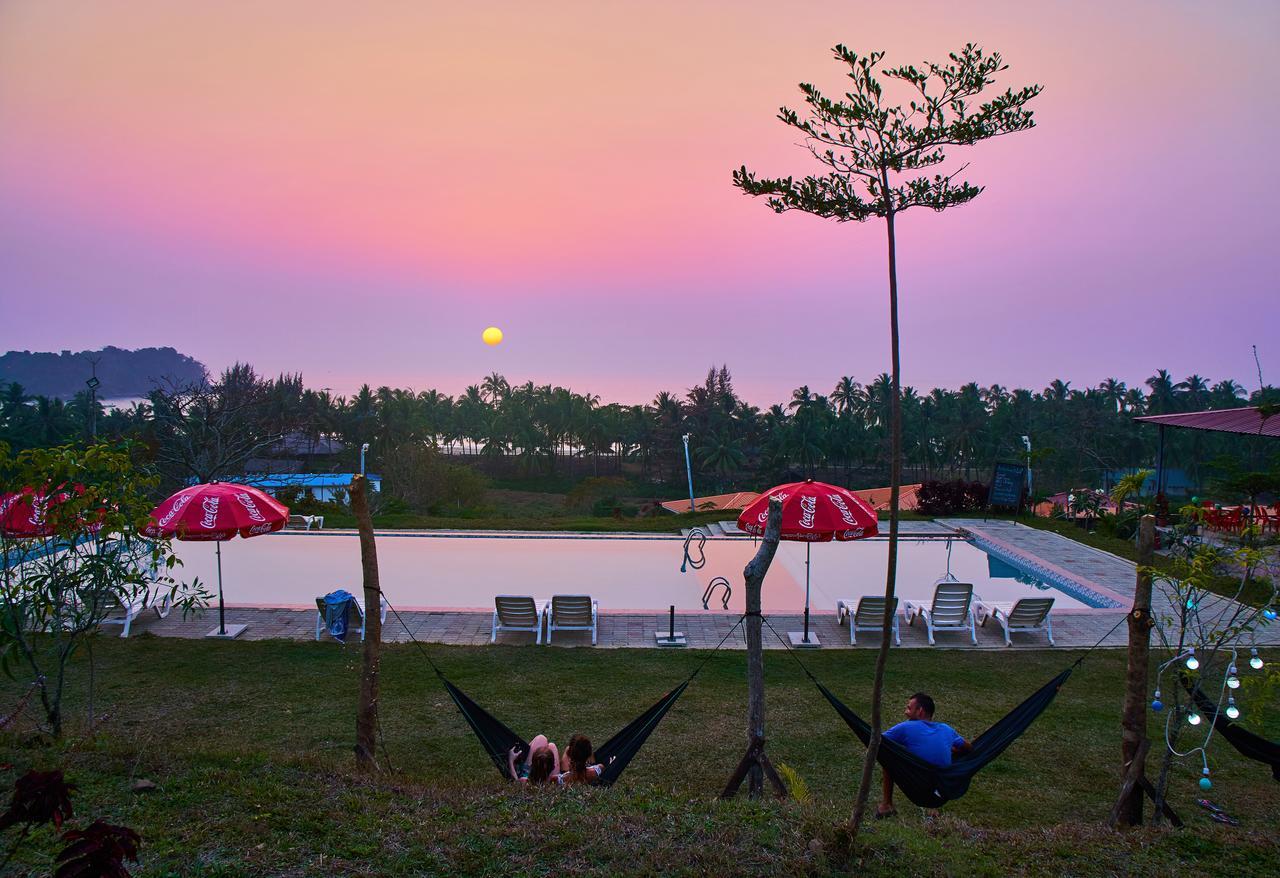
(1248, 420)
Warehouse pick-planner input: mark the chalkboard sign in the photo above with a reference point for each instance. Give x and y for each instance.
(1007, 483)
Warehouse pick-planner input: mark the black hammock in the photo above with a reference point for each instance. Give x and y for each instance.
(614, 754)
(932, 786)
(1249, 744)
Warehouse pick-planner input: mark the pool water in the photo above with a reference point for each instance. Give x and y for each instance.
(636, 573)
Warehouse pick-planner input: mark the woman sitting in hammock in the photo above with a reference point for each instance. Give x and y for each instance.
(576, 766)
(540, 765)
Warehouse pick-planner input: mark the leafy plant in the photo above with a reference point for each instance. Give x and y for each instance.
(98, 851)
(796, 787)
(86, 559)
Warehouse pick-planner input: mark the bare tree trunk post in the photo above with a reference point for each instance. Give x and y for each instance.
(1133, 719)
(367, 707)
(891, 572)
(754, 762)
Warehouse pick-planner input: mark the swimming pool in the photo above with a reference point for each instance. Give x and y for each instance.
(463, 571)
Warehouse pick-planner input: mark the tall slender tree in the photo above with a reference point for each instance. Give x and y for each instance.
(876, 154)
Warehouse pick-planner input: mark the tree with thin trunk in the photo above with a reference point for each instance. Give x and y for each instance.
(367, 708)
(1133, 717)
(876, 155)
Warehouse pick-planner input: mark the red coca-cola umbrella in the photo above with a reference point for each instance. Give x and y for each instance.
(216, 512)
(812, 512)
(29, 513)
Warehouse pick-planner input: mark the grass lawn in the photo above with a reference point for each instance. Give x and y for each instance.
(250, 744)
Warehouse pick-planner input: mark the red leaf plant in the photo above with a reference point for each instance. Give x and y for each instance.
(39, 797)
(98, 851)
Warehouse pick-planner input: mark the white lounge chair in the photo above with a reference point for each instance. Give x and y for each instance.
(573, 612)
(951, 610)
(1027, 614)
(321, 627)
(158, 598)
(869, 616)
(516, 613)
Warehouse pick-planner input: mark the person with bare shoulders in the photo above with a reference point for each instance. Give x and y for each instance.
(576, 766)
(541, 764)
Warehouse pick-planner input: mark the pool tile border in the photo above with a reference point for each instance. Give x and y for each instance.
(1058, 577)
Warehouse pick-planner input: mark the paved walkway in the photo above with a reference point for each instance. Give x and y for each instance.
(1103, 572)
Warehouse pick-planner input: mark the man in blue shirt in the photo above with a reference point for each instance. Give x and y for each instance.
(932, 742)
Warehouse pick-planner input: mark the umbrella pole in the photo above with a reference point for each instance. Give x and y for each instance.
(222, 619)
(807, 548)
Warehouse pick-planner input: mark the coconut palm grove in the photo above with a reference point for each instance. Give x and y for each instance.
(556, 439)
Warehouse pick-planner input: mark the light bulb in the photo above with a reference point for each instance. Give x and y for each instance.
(1157, 705)
(1192, 663)
(1205, 783)
(1194, 719)
(1233, 712)
(1269, 614)
(1233, 682)
(1255, 660)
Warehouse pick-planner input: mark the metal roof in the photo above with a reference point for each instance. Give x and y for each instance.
(1248, 421)
(304, 480)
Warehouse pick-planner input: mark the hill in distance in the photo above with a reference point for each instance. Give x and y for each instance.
(123, 373)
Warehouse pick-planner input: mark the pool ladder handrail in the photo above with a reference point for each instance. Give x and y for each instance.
(711, 587)
(688, 561)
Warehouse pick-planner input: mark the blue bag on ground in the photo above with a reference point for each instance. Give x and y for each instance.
(337, 606)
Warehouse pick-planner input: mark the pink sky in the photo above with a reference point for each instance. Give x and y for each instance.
(355, 191)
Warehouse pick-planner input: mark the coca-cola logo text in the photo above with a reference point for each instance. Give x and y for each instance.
(247, 502)
(179, 504)
(210, 517)
(838, 502)
(808, 511)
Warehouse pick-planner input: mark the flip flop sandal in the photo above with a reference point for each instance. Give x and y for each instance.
(1225, 819)
(1210, 806)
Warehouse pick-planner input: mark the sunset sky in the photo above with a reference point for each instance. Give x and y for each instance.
(355, 191)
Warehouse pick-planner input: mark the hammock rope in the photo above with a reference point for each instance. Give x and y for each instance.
(615, 754)
(931, 786)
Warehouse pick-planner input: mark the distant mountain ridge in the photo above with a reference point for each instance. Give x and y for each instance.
(123, 373)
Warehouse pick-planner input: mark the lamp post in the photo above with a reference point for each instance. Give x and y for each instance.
(363, 449)
(688, 468)
(1026, 440)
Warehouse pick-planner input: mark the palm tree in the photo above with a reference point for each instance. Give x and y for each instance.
(1226, 394)
(1113, 391)
(1195, 391)
(1058, 390)
(721, 453)
(495, 388)
(800, 398)
(1163, 396)
(847, 396)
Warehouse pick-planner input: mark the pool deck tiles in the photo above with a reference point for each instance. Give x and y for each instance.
(704, 630)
